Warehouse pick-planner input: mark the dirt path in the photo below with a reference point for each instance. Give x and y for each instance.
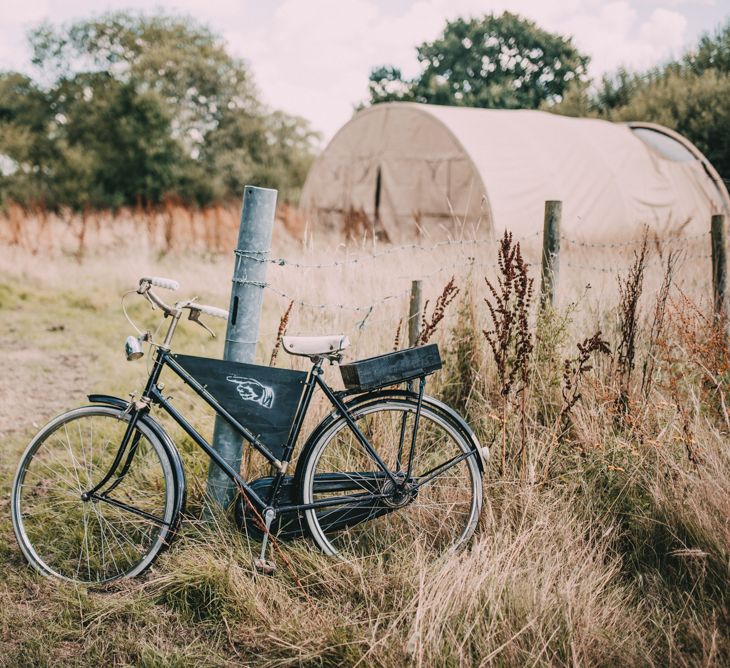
(35, 385)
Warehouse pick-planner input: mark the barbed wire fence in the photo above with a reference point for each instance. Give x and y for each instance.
(470, 261)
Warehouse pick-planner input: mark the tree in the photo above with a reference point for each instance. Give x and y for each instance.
(126, 137)
(696, 106)
(274, 150)
(138, 108)
(25, 124)
(713, 52)
(181, 61)
(387, 85)
(500, 61)
(690, 95)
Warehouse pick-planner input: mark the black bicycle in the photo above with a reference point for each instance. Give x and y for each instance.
(100, 490)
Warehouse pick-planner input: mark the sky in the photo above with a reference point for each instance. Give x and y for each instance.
(312, 58)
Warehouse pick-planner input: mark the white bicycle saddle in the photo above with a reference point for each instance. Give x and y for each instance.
(314, 346)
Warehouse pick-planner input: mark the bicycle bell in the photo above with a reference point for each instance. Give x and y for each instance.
(133, 348)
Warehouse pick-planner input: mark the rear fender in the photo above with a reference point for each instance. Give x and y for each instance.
(169, 447)
(373, 397)
(438, 407)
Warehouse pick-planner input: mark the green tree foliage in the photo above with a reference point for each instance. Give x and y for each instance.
(713, 52)
(139, 108)
(498, 61)
(690, 95)
(26, 124)
(696, 106)
(124, 141)
(275, 149)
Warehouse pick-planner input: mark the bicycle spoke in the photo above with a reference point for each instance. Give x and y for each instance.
(130, 509)
(121, 540)
(441, 468)
(68, 481)
(99, 539)
(73, 459)
(437, 507)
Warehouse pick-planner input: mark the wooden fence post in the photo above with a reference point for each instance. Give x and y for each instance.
(550, 252)
(719, 266)
(414, 313)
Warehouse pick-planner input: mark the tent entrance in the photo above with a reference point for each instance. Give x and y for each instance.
(378, 183)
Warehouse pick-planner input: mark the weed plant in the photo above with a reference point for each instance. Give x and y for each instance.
(604, 539)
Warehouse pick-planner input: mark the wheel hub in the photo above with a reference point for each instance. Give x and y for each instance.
(398, 495)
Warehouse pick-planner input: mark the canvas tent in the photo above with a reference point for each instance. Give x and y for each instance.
(406, 168)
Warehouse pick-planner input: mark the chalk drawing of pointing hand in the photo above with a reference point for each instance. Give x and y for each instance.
(250, 389)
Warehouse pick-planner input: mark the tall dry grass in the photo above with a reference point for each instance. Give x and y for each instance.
(171, 227)
(605, 538)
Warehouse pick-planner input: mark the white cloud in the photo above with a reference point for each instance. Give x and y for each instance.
(664, 29)
(211, 9)
(23, 12)
(313, 57)
(15, 19)
(614, 36)
(678, 3)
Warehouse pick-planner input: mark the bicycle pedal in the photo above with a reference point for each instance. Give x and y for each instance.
(264, 566)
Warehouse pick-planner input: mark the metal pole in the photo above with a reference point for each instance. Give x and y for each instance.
(414, 313)
(249, 276)
(550, 252)
(719, 266)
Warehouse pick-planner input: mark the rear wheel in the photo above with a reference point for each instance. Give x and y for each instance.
(102, 539)
(366, 512)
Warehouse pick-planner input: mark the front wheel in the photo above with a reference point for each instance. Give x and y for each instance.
(363, 510)
(115, 535)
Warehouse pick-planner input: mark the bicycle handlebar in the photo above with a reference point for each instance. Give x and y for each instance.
(212, 311)
(196, 309)
(159, 282)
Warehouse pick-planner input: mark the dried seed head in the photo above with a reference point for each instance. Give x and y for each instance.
(283, 324)
(430, 324)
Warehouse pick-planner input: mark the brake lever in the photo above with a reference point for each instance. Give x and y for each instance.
(146, 295)
(194, 315)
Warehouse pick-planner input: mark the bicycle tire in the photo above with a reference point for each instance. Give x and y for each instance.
(51, 520)
(330, 531)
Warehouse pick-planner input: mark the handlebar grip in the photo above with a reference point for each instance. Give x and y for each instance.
(159, 282)
(212, 311)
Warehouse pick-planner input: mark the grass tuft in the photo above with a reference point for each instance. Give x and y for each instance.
(609, 544)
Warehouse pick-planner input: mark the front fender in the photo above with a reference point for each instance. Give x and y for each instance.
(167, 443)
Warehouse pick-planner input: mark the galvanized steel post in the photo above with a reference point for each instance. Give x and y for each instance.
(242, 332)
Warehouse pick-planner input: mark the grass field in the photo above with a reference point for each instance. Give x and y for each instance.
(605, 537)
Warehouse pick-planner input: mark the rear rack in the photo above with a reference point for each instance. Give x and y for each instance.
(390, 369)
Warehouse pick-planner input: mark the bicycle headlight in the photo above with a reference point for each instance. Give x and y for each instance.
(133, 348)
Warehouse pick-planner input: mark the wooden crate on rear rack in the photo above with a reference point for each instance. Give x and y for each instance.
(391, 368)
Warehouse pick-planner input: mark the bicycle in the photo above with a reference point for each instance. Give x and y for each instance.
(101, 489)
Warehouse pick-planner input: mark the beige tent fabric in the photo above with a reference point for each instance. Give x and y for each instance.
(450, 171)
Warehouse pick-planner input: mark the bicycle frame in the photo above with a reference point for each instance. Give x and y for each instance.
(153, 395)
(118, 458)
